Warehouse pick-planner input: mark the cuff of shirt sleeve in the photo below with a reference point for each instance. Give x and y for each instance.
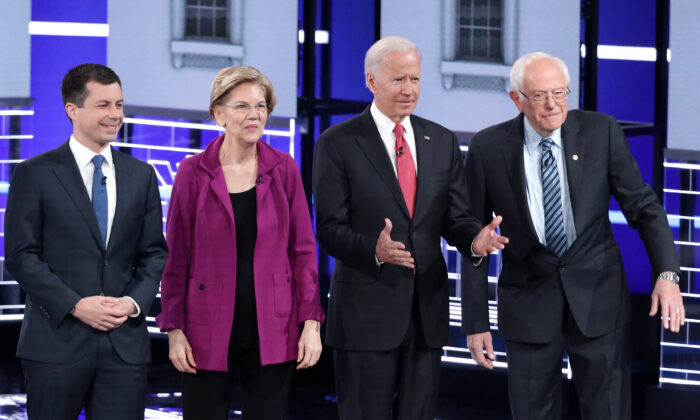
(476, 258)
(138, 309)
(471, 248)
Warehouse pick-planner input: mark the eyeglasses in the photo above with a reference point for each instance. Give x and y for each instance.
(244, 107)
(558, 96)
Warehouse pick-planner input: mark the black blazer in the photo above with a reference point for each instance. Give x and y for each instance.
(533, 281)
(355, 188)
(53, 248)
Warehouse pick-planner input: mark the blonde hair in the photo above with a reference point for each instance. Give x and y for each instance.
(230, 77)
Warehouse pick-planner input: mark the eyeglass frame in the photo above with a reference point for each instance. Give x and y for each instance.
(238, 108)
(530, 98)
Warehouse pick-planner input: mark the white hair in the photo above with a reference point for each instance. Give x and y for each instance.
(383, 47)
(517, 72)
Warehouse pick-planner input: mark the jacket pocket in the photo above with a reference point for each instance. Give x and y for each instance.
(283, 294)
(203, 302)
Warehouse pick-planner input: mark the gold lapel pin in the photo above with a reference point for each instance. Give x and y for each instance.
(574, 157)
(426, 137)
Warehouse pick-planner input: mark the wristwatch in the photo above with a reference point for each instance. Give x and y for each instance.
(671, 276)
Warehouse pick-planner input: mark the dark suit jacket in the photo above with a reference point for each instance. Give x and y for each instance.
(533, 281)
(53, 248)
(355, 188)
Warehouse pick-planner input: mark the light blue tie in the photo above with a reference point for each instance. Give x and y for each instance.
(554, 232)
(99, 196)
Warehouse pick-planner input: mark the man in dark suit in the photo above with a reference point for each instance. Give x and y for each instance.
(388, 308)
(83, 238)
(551, 173)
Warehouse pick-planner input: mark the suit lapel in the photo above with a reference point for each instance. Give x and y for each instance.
(573, 146)
(512, 151)
(124, 180)
(424, 149)
(370, 142)
(69, 177)
(217, 182)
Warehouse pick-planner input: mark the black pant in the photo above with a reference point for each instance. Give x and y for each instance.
(207, 394)
(402, 383)
(600, 367)
(106, 386)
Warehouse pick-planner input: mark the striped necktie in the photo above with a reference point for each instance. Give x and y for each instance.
(99, 197)
(555, 234)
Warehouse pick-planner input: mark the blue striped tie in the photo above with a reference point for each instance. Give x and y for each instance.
(551, 200)
(99, 196)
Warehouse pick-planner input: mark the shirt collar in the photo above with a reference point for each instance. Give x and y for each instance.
(83, 155)
(385, 125)
(533, 138)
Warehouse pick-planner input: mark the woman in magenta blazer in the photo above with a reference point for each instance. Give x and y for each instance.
(242, 278)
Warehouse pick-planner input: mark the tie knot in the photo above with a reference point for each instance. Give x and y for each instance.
(97, 160)
(546, 144)
(398, 130)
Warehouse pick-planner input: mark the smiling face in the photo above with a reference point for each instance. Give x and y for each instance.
(545, 76)
(243, 126)
(396, 87)
(98, 121)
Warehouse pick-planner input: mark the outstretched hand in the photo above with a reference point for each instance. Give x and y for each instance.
(488, 240)
(390, 251)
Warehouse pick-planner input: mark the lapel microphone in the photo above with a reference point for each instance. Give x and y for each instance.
(259, 180)
(104, 181)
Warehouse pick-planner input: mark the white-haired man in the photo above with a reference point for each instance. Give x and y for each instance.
(551, 173)
(388, 309)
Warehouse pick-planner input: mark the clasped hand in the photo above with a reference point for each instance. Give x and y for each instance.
(103, 313)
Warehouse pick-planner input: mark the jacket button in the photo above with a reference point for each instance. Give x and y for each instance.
(106, 262)
(201, 287)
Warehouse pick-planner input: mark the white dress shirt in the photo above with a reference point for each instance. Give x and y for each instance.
(83, 158)
(532, 158)
(386, 131)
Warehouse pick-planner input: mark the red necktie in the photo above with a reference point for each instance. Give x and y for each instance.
(405, 169)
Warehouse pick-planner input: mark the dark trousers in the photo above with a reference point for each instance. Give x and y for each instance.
(106, 386)
(401, 384)
(207, 394)
(600, 367)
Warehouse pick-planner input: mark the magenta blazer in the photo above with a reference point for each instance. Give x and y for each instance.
(199, 281)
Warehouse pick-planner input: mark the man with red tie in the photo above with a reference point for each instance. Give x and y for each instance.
(387, 185)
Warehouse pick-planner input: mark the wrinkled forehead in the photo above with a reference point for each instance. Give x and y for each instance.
(400, 62)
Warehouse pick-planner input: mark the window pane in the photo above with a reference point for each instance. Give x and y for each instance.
(192, 2)
(221, 3)
(206, 2)
(191, 21)
(464, 12)
(480, 12)
(206, 22)
(221, 24)
(495, 44)
(465, 40)
(480, 43)
(495, 15)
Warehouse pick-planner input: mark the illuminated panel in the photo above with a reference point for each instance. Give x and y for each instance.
(680, 352)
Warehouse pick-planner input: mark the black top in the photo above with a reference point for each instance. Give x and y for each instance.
(244, 332)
